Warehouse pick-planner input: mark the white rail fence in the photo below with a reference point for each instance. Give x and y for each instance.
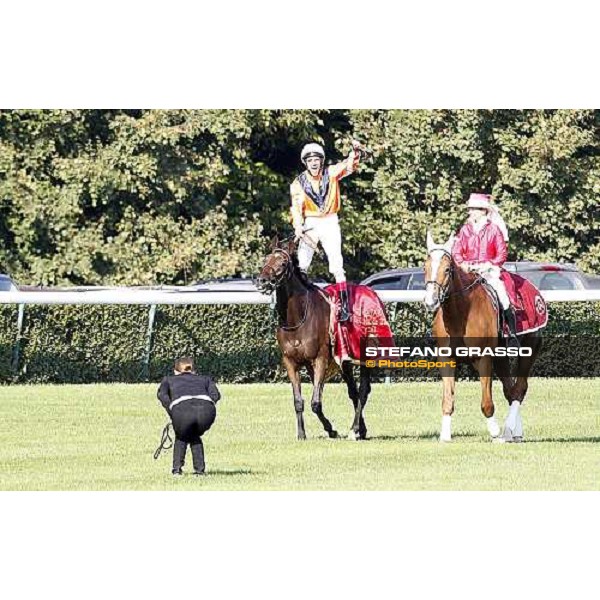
(187, 296)
(182, 295)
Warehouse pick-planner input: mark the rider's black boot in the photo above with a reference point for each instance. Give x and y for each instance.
(511, 321)
(344, 314)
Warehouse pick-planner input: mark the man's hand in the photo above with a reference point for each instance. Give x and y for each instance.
(466, 267)
(298, 231)
(356, 146)
(486, 266)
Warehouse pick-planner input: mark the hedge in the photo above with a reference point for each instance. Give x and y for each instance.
(85, 344)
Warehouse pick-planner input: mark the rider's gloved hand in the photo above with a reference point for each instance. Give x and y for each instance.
(298, 231)
(466, 267)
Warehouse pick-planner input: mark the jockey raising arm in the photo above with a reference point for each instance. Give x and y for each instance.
(315, 202)
(480, 246)
(313, 157)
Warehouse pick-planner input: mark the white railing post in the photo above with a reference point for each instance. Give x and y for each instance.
(14, 364)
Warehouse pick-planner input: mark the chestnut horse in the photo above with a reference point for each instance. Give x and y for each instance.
(303, 337)
(465, 316)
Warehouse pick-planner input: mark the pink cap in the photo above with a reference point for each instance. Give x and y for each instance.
(479, 201)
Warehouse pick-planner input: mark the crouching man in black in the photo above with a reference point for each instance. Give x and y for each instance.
(189, 400)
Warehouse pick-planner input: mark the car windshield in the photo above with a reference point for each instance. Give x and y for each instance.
(394, 282)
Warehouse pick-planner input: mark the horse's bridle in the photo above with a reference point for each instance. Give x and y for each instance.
(443, 293)
(277, 280)
(285, 274)
(443, 288)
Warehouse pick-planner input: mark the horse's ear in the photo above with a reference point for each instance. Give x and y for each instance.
(274, 242)
(448, 245)
(430, 242)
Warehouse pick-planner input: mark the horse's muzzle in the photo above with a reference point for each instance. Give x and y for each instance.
(264, 285)
(431, 306)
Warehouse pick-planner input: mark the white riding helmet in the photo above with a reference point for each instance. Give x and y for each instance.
(312, 150)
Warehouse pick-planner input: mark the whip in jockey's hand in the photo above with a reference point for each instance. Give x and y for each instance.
(315, 203)
(480, 247)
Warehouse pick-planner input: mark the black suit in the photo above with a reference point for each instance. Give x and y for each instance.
(191, 417)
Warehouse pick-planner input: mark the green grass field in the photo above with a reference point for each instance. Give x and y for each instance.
(102, 437)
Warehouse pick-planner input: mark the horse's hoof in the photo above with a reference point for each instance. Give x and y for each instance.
(444, 440)
(301, 437)
(352, 435)
(509, 437)
(333, 435)
(498, 440)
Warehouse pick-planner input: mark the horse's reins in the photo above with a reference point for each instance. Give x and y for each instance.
(285, 274)
(443, 290)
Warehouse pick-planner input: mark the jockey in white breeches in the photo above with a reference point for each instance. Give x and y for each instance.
(315, 203)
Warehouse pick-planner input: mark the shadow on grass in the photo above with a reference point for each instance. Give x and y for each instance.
(219, 472)
(430, 435)
(564, 440)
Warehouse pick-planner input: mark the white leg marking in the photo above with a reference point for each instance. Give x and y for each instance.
(493, 427)
(446, 433)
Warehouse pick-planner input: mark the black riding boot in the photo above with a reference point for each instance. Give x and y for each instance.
(511, 320)
(344, 309)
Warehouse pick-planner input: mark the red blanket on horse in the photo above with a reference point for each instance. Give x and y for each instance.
(367, 319)
(530, 308)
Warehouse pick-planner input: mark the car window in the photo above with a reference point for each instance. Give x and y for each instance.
(417, 281)
(397, 282)
(6, 285)
(557, 281)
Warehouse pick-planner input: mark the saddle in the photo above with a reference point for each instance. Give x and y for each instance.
(531, 310)
(367, 320)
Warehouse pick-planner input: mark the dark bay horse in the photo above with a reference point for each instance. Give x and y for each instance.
(465, 316)
(304, 339)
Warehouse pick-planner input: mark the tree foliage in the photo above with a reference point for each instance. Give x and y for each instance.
(156, 196)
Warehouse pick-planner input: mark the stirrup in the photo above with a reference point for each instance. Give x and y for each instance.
(512, 341)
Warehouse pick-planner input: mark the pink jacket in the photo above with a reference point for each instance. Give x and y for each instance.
(486, 246)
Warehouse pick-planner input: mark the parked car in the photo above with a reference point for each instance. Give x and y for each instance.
(237, 284)
(7, 284)
(545, 276)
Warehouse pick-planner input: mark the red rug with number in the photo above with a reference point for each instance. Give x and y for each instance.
(367, 320)
(530, 307)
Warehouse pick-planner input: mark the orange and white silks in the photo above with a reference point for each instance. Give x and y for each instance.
(326, 186)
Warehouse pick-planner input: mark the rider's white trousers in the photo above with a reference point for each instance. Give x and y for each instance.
(492, 276)
(326, 230)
